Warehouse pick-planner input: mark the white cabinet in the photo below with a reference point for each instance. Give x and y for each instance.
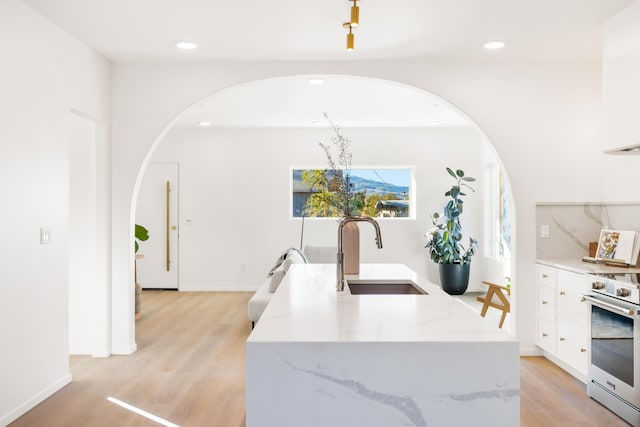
(562, 329)
(546, 308)
(547, 301)
(572, 316)
(570, 288)
(547, 334)
(572, 343)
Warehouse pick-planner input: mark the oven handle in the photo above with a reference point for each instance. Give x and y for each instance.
(603, 304)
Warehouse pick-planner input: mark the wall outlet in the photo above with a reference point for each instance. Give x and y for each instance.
(544, 231)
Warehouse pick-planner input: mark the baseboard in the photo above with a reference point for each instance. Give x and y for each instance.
(101, 352)
(531, 351)
(225, 289)
(125, 350)
(80, 350)
(37, 399)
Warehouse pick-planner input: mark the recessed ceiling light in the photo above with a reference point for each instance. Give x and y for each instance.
(315, 81)
(204, 124)
(494, 45)
(186, 45)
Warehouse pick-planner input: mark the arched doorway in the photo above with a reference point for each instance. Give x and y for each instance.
(253, 150)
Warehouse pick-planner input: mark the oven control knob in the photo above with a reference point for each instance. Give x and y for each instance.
(597, 285)
(622, 292)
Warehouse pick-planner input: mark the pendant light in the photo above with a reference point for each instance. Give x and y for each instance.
(355, 14)
(350, 37)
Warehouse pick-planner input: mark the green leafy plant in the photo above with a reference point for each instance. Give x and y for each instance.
(141, 234)
(443, 240)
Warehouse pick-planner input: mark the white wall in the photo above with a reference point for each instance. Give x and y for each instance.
(43, 73)
(82, 234)
(621, 78)
(234, 186)
(542, 118)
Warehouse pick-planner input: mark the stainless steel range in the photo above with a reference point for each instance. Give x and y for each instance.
(614, 344)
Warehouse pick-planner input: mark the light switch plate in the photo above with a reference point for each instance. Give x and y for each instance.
(544, 231)
(45, 236)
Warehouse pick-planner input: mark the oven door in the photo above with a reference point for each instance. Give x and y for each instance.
(614, 347)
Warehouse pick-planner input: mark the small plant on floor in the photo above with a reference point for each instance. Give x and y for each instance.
(443, 240)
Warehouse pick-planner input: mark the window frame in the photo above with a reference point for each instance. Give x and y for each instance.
(412, 190)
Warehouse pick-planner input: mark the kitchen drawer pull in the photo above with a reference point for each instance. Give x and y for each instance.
(545, 302)
(583, 350)
(545, 334)
(562, 339)
(563, 293)
(544, 276)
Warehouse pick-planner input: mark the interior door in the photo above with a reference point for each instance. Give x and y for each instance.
(157, 211)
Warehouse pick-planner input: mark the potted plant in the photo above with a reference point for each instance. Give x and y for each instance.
(444, 239)
(141, 234)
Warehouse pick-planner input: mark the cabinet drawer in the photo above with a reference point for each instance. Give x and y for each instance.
(546, 302)
(572, 343)
(546, 275)
(546, 337)
(570, 288)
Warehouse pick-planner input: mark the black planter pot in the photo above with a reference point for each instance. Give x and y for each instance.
(454, 278)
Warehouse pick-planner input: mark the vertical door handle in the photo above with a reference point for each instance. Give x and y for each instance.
(168, 232)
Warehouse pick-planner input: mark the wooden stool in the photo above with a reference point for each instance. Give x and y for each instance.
(496, 298)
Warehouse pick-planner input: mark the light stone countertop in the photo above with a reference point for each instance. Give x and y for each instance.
(581, 267)
(307, 308)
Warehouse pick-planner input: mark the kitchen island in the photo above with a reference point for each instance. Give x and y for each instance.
(319, 357)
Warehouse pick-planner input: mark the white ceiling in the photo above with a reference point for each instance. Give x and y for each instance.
(311, 30)
(349, 102)
(138, 30)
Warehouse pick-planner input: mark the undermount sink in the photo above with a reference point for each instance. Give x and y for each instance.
(384, 287)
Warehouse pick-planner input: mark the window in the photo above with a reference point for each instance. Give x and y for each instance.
(376, 192)
(498, 208)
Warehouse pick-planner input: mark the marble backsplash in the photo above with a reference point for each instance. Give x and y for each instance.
(573, 225)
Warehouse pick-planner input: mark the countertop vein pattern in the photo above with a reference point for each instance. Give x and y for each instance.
(403, 404)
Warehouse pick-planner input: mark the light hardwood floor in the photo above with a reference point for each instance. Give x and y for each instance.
(190, 370)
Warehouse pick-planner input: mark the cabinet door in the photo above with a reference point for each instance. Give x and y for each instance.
(546, 336)
(546, 302)
(570, 288)
(572, 343)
